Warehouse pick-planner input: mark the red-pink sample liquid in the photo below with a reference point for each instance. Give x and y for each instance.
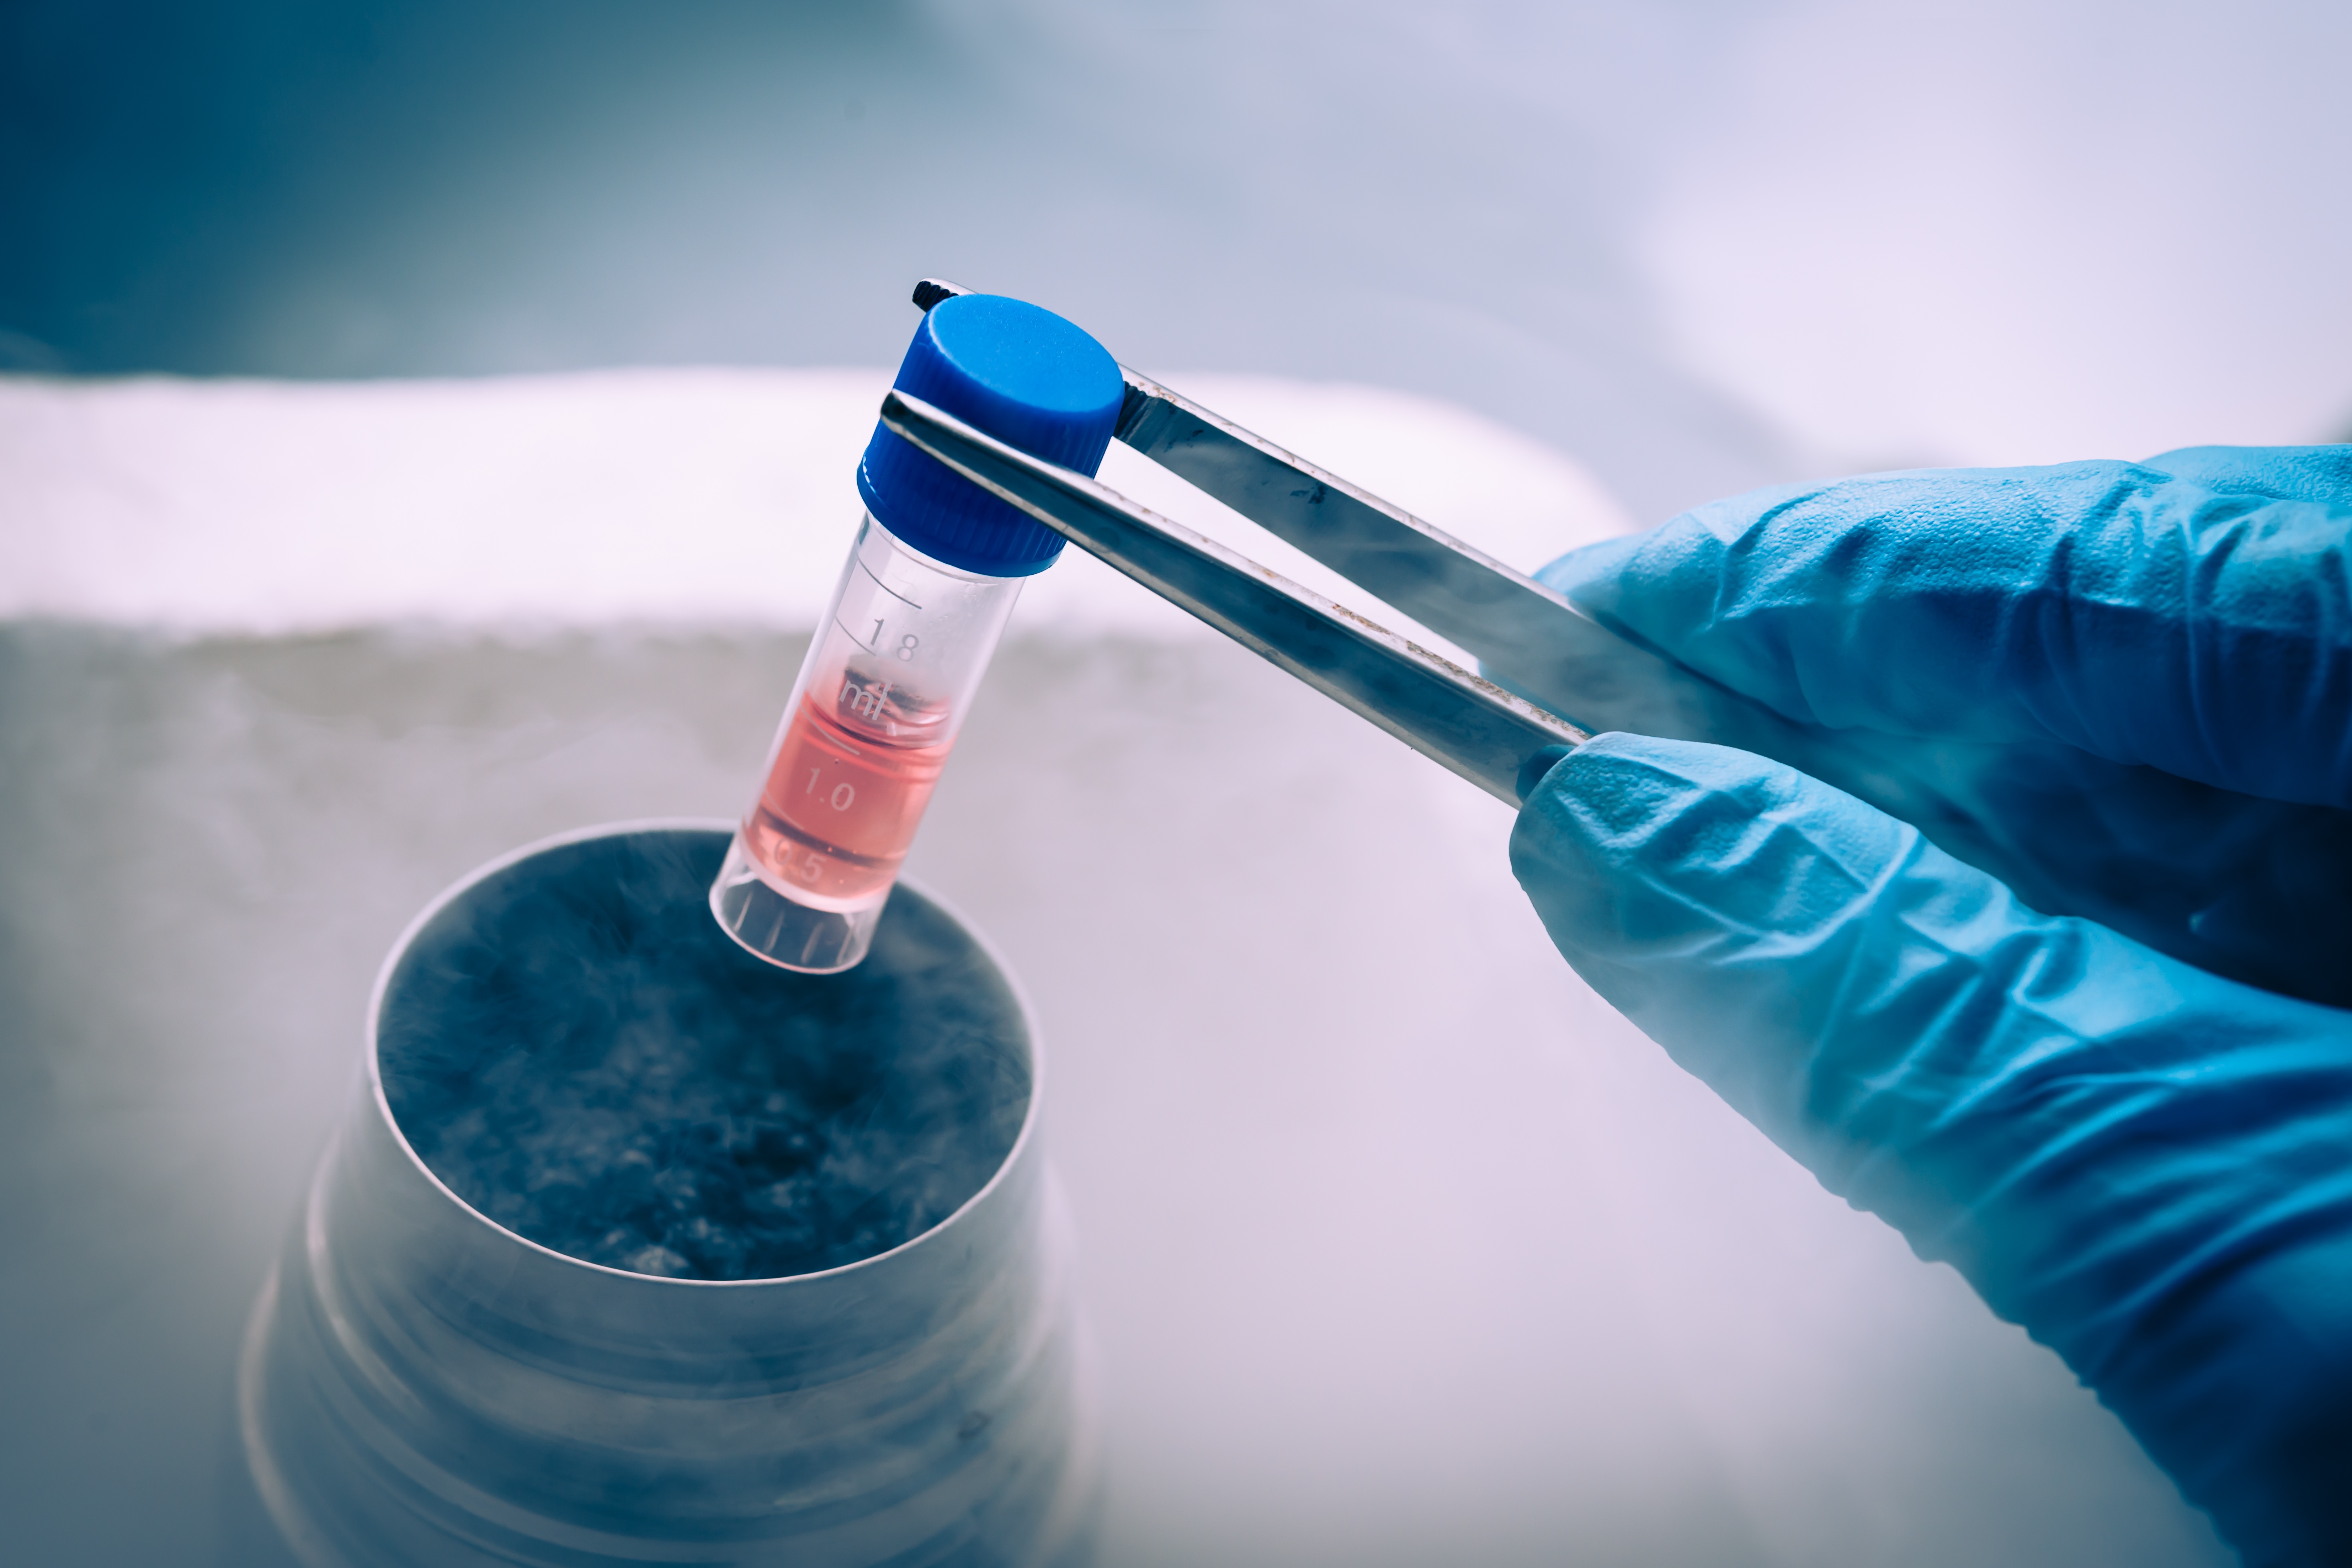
(846, 792)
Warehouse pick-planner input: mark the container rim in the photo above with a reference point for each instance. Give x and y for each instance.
(491, 868)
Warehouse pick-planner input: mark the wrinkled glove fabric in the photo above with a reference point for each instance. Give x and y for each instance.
(2143, 1159)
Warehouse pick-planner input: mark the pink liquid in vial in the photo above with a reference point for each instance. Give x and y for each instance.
(841, 803)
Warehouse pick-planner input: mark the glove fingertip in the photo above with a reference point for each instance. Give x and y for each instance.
(1591, 564)
(1533, 771)
(1709, 895)
(1640, 804)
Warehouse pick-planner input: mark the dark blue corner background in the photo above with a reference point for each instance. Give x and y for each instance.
(171, 175)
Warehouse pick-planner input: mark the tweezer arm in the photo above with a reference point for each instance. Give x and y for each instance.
(1471, 726)
(1456, 591)
(1520, 631)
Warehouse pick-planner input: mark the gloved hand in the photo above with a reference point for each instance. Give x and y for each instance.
(2145, 1164)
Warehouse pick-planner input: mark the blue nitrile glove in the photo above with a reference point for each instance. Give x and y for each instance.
(2147, 1165)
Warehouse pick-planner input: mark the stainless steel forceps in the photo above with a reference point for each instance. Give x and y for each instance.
(1556, 675)
(1586, 678)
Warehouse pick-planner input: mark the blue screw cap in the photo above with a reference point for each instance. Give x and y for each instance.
(1024, 376)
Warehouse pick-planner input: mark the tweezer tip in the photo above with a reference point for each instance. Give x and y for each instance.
(930, 291)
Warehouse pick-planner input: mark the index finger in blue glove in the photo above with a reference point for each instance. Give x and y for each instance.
(2321, 474)
(2198, 622)
(2149, 1167)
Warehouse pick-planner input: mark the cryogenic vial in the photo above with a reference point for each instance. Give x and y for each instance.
(932, 574)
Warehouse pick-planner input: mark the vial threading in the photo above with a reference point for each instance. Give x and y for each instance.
(871, 719)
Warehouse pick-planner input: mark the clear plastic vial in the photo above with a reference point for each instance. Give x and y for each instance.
(931, 578)
(863, 738)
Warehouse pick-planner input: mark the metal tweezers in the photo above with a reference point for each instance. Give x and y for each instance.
(1559, 676)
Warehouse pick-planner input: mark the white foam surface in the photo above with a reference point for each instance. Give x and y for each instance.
(645, 495)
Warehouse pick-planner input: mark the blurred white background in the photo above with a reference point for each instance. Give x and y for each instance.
(495, 375)
(1698, 242)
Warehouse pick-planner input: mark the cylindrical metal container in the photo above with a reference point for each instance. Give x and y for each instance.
(421, 1385)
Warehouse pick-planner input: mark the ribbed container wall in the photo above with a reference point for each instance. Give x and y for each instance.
(420, 1386)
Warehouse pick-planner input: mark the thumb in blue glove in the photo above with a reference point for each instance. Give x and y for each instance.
(2147, 1165)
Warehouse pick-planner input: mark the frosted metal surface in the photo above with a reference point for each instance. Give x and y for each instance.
(419, 1386)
